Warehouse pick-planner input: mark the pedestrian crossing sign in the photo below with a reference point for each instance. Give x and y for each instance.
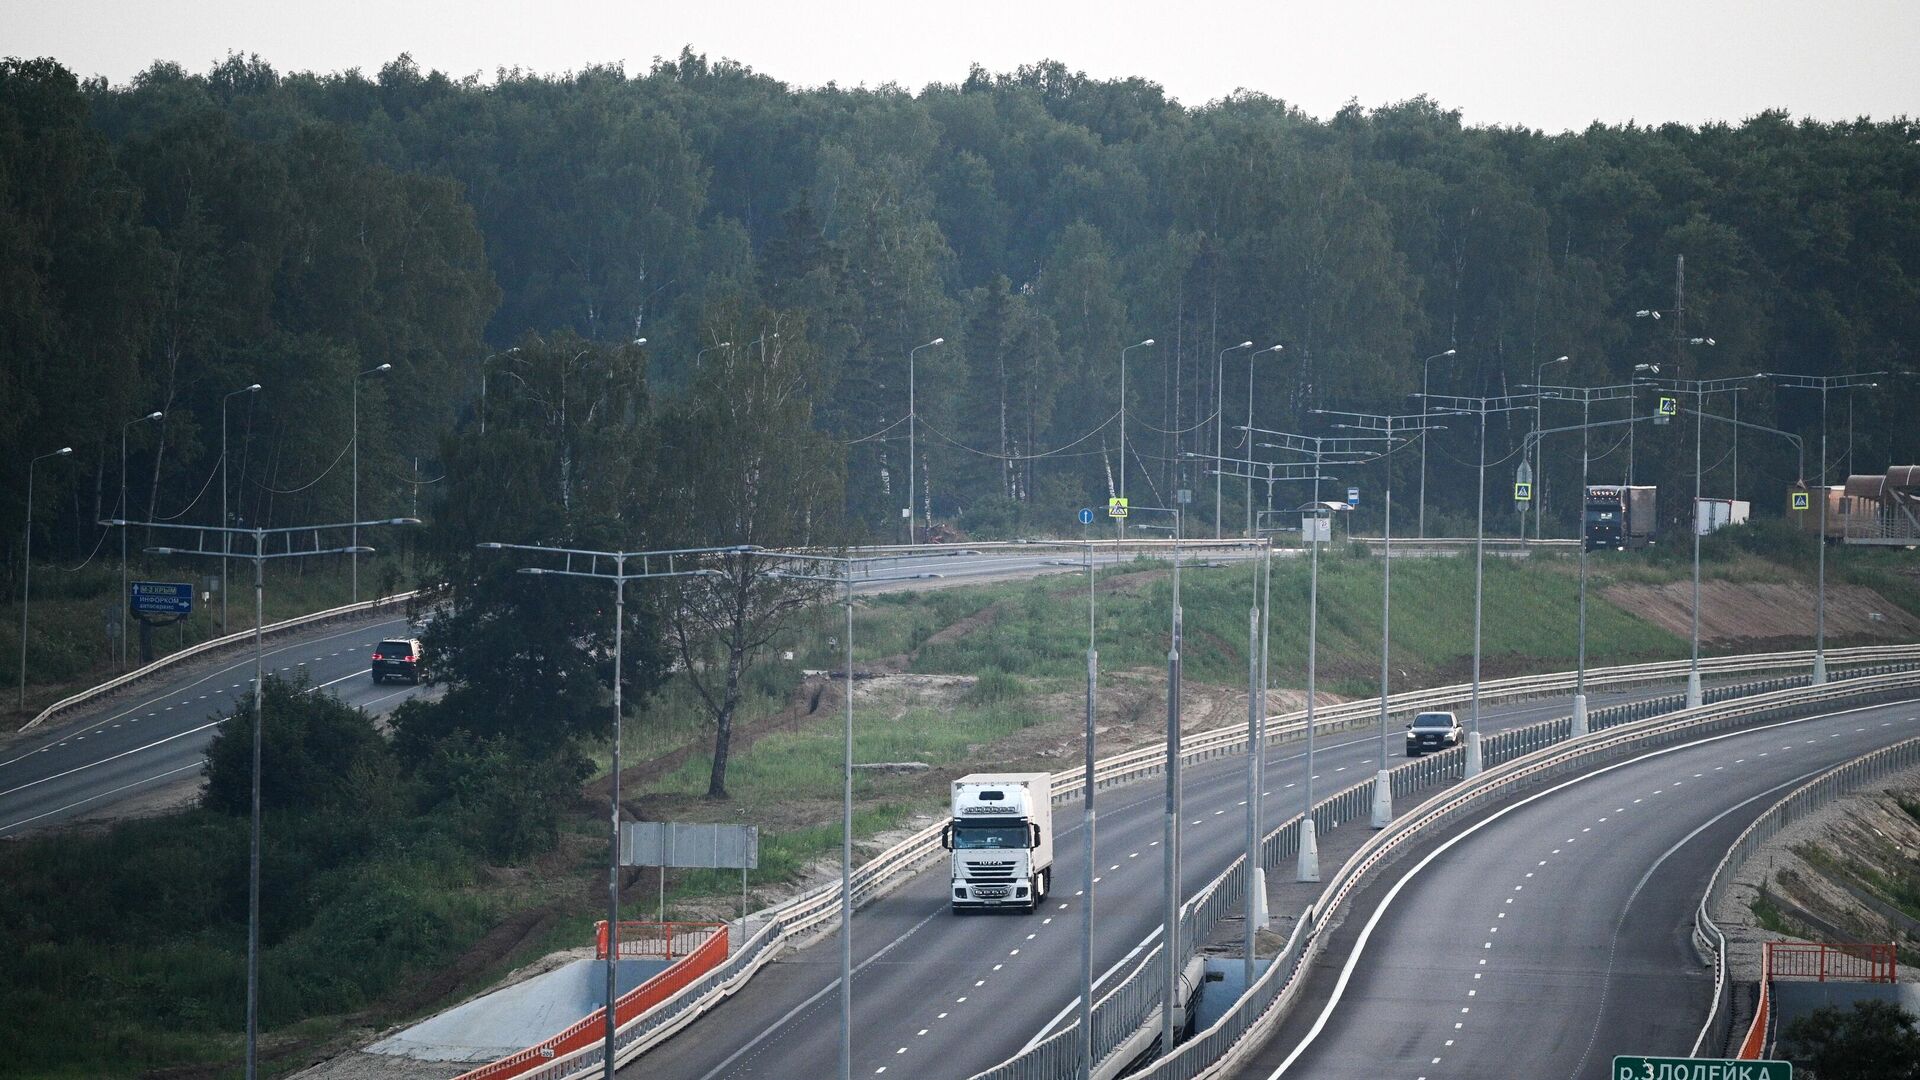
(1523, 492)
(1801, 501)
(1116, 508)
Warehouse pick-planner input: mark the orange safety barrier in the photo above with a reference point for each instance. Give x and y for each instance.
(1813, 960)
(652, 940)
(694, 963)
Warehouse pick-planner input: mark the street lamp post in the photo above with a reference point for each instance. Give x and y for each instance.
(1250, 356)
(1123, 423)
(1823, 383)
(1481, 407)
(708, 349)
(225, 521)
(356, 469)
(1425, 367)
(1085, 1039)
(259, 557)
(1698, 389)
(127, 511)
(26, 571)
(1220, 422)
(674, 561)
(1537, 503)
(1393, 427)
(913, 465)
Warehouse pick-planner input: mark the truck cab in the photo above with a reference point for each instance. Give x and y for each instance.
(1001, 837)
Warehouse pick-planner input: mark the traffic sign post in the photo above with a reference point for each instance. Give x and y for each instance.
(1627, 1067)
(160, 597)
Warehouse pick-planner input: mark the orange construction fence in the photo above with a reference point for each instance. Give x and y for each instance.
(1874, 962)
(667, 939)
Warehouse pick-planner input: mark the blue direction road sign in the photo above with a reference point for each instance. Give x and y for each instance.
(160, 597)
(1086, 515)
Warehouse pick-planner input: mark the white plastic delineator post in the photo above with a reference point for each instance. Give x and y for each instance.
(1261, 917)
(1473, 755)
(1819, 669)
(1579, 715)
(1307, 868)
(1382, 799)
(1693, 690)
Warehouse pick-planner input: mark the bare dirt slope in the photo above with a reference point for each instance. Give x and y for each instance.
(1735, 612)
(1838, 875)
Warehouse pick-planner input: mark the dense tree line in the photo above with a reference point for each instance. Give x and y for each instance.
(182, 235)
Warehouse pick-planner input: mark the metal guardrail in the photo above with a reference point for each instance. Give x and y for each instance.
(141, 674)
(1796, 805)
(1223, 897)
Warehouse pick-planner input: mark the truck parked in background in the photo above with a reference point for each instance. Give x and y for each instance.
(1620, 516)
(1712, 514)
(1001, 837)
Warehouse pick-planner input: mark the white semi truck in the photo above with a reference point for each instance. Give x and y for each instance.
(1001, 837)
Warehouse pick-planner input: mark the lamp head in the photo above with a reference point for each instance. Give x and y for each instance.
(1149, 341)
(403, 521)
(938, 341)
(1244, 345)
(489, 546)
(1701, 341)
(254, 389)
(65, 450)
(1557, 359)
(384, 367)
(639, 341)
(724, 345)
(1449, 352)
(154, 415)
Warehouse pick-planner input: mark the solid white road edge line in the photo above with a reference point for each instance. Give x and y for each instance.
(101, 795)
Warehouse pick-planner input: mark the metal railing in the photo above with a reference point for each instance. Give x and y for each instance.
(1796, 805)
(364, 607)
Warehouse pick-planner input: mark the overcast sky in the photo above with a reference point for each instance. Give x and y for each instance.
(1552, 64)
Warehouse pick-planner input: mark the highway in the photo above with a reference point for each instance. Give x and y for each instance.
(156, 733)
(943, 996)
(1542, 938)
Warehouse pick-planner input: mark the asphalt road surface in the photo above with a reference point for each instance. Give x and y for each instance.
(1546, 937)
(158, 733)
(941, 997)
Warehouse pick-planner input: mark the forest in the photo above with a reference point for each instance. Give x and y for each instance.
(168, 242)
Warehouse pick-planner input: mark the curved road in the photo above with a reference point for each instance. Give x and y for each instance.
(943, 996)
(1546, 936)
(157, 733)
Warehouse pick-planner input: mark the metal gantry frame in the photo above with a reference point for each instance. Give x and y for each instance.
(1586, 396)
(259, 557)
(1349, 450)
(1393, 427)
(1699, 390)
(1481, 407)
(1822, 383)
(653, 564)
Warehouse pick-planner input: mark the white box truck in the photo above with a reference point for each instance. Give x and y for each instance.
(1001, 837)
(1712, 514)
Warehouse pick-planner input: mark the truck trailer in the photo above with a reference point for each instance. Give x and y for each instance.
(1001, 837)
(1620, 516)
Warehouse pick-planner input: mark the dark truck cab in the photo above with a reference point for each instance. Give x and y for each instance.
(1619, 516)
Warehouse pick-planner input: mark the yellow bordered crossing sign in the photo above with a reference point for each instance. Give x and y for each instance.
(1116, 508)
(1523, 492)
(1669, 406)
(1801, 500)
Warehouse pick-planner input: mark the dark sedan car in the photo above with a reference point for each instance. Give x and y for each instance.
(1433, 731)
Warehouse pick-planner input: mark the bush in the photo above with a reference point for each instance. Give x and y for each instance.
(504, 800)
(316, 755)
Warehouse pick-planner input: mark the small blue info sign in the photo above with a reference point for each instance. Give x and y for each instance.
(160, 598)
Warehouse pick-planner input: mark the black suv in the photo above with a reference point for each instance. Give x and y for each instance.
(1433, 731)
(399, 658)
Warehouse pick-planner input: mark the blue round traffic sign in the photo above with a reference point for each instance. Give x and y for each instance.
(1086, 516)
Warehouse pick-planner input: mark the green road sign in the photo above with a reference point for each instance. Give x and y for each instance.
(1654, 1068)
